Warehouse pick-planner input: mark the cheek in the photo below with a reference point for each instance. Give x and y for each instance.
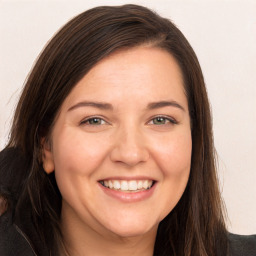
(174, 154)
(77, 158)
(174, 160)
(76, 153)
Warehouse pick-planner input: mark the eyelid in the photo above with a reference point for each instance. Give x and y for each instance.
(171, 120)
(83, 122)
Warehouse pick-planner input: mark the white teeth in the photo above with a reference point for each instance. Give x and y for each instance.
(116, 184)
(145, 184)
(131, 185)
(140, 184)
(110, 184)
(124, 185)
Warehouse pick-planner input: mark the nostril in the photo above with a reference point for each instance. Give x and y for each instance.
(129, 147)
(129, 156)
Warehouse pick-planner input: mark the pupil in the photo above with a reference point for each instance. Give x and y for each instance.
(159, 120)
(94, 121)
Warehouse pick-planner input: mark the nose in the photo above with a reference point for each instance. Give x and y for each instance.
(129, 148)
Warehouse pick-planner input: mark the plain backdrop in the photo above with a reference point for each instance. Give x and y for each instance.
(223, 35)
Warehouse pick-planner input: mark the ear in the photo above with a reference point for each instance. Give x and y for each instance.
(47, 156)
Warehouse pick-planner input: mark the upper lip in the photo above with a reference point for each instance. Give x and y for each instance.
(128, 178)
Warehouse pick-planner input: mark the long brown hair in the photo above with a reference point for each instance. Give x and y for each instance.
(196, 225)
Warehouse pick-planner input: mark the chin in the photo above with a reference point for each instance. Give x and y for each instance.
(132, 229)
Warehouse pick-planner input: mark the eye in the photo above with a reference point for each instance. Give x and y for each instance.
(162, 120)
(94, 121)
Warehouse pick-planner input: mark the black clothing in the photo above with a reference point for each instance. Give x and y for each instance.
(18, 235)
(14, 242)
(242, 245)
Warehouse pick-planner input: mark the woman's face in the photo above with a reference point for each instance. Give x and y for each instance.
(121, 144)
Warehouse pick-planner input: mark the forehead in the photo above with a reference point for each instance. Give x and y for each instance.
(141, 73)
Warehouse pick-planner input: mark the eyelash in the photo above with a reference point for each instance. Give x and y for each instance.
(86, 121)
(166, 119)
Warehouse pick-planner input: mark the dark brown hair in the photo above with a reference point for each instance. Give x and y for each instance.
(196, 225)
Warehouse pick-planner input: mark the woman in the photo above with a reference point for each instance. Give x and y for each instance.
(111, 148)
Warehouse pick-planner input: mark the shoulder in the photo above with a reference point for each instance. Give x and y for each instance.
(12, 176)
(13, 173)
(242, 245)
(12, 242)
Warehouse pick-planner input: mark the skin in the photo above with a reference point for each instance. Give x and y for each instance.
(127, 141)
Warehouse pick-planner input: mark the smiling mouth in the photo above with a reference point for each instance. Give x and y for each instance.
(128, 185)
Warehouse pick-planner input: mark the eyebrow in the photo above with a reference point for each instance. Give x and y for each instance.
(161, 104)
(107, 106)
(100, 105)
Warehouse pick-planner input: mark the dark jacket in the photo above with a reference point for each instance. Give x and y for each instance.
(18, 236)
(15, 242)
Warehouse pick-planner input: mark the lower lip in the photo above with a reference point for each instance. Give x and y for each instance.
(129, 197)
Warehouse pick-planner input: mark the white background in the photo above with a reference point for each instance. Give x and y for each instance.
(222, 33)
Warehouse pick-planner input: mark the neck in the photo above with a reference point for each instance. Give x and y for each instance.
(104, 247)
(82, 239)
